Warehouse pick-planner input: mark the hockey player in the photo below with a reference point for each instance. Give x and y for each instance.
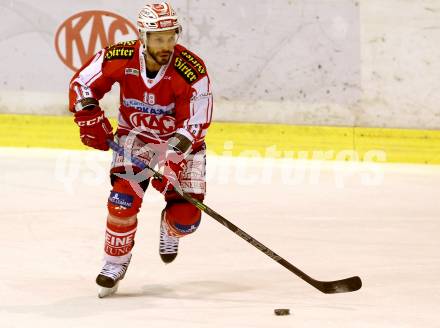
(165, 99)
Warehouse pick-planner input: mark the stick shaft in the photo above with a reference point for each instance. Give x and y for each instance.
(325, 287)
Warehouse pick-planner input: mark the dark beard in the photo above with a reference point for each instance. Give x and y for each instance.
(158, 59)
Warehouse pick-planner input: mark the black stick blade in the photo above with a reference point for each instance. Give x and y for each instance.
(339, 286)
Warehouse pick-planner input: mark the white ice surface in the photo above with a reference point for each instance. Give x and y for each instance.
(379, 222)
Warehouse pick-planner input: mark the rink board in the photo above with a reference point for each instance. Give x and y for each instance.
(253, 140)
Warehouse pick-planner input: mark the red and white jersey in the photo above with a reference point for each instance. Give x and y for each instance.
(178, 99)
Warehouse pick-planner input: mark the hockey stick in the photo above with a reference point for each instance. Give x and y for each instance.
(328, 287)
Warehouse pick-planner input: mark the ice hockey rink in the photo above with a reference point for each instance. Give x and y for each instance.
(331, 219)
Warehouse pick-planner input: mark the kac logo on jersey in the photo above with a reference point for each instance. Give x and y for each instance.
(162, 126)
(80, 36)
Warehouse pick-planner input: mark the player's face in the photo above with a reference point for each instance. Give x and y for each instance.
(160, 45)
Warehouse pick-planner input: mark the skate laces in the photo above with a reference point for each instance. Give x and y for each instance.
(114, 270)
(168, 244)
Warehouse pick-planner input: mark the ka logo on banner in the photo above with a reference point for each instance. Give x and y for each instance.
(83, 34)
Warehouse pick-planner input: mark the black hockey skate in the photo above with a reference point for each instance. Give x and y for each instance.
(168, 245)
(109, 277)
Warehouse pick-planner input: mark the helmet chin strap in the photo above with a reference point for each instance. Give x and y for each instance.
(143, 38)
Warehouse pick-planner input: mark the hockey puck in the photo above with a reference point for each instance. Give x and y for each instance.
(281, 311)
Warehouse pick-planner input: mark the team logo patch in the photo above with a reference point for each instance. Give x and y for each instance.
(132, 71)
(189, 67)
(121, 199)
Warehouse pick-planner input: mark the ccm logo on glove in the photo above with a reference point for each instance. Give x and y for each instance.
(92, 121)
(94, 128)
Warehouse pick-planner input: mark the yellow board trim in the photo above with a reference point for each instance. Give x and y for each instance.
(245, 139)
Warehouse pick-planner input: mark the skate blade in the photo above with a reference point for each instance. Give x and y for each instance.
(104, 292)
